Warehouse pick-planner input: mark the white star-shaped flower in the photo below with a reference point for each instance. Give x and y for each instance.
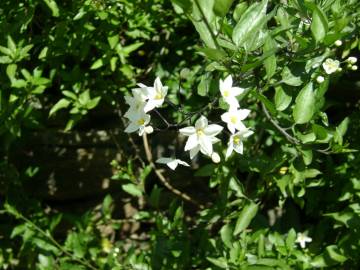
(330, 65)
(172, 163)
(139, 122)
(136, 101)
(229, 93)
(233, 118)
(156, 95)
(201, 137)
(236, 141)
(302, 239)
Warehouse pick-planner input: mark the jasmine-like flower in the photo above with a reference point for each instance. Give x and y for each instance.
(330, 66)
(171, 162)
(156, 95)
(302, 239)
(236, 141)
(229, 93)
(139, 122)
(352, 60)
(201, 137)
(320, 79)
(233, 118)
(136, 102)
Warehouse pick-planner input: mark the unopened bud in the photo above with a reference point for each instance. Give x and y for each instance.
(215, 157)
(283, 170)
(352, 60)
(338, 43)
(320, 79)
(339, 69)
(354, 67)
(149, 130)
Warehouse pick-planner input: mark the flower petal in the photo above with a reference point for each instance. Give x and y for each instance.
(213, 130)
(243, 113)
(173, 164)
(194, 151)
(228, 82)
(202, 122)
(158, 85)
(239, 148)
(229, 150)
(132, 127)
(192, 142)
(164, 160)
(236, 91)
(206, 145)
(181, 162)
(187, 131)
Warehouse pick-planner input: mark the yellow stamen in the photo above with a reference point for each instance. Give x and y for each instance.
(233, 119)
(236, 140)
(226, 93)
(199, 132)
(141, 121)
(158, 96)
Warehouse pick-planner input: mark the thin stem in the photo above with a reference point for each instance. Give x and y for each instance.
(163, 179)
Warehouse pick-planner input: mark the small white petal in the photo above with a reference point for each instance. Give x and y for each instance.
(149, 129)
(205, 145)
(201, 123)
(213, 130)
(236, 91)
(132, 127)
(228, 82)
(164, 160)
(243, 113)
(173, 164)
(239, 148)
(229, 150)
(194, 151)
(187, 131)
(192, 142)
(181, 162)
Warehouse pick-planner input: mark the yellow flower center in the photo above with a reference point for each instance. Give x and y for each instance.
(236, 140)
(226, 93)
(233, 119)
(141, 121)
(158, 96)
(200, 132)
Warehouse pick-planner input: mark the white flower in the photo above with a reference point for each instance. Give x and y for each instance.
(138, 122)
(330, 65)
(171, 162)
(302, 239)
(229, 92)
(201, 137)
(233, 118)
(136, 102)
(338, 43)
(156, 95)
(215, 157)
(351, 60)
(320, 79)
(236, 141)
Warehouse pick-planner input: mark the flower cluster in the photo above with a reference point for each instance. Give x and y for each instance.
(143, 100)
(201, 136)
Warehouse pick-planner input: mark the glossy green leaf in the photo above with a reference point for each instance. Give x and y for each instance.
(319, 24)
(245, 217)
(222, 7)
(304, 105)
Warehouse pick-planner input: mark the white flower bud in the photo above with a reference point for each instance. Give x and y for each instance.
(215, 157)
(354, 67)
(339, 69)
(338, 43)
(149, 129)
(352, 60)
(320, 79)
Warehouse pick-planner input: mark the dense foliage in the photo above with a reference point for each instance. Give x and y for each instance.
(290, 199)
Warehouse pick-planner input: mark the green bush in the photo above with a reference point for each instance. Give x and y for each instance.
(286, 194)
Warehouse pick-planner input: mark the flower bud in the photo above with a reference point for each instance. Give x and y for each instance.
(149, 129)
(215, 157)
(352, 60)
(338, 43)
(320, 79)
(354, 67)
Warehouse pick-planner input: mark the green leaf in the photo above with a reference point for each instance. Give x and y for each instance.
(219, 262)
(113, 41)
(11, 44)
(5, 51)
(304, 105)
(289, 78)
(222, 7)
(132, 189)
(319, 24)
(213, 54)
(239, 10)
(250, 22)
(245, 217)
(97, 64)
(61, 104)
(334, 253)
(290, 240)
(53, 7)
(203, 87)
(226, 235)
(270, 62)
(282, 99)
(185, 5)
(11, 71)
